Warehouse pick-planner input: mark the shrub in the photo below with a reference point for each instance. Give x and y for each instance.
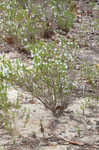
(30, 21)
(65, 22)
(49, 77)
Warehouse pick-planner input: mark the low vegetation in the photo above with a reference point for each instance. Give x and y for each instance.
(51, 78)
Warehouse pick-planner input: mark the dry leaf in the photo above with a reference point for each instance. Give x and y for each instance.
(10, 40)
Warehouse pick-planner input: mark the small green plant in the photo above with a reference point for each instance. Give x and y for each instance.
(78, 130)
(5, 82)
(85, 104)
(13, 116)
(96, 24)
(89, 73)
(4, 104)
(27, 117)
(92, 4)
(83, 108)
(65, 22)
